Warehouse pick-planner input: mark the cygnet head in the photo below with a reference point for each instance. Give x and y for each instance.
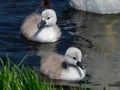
(49, 18)
(73, 56)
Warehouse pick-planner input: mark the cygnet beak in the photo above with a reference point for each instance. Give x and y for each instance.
(80, 65)
(41, 24)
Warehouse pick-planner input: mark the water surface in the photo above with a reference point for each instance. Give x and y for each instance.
(96, 35)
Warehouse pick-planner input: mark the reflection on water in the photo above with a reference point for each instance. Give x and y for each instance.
(66, 83)
(103, 61)
(96, 35)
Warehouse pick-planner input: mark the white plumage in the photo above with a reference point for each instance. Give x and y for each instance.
(68, 67)
(97, 6)
(41, 27)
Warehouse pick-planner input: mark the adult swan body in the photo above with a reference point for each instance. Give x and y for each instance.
(97, 6)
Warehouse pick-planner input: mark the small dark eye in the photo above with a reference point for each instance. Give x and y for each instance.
(74, 58)
(48, 17)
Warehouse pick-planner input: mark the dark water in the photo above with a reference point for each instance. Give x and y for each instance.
(98, 36)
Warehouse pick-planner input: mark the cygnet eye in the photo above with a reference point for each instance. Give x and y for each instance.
(74, 58)
(48, 17)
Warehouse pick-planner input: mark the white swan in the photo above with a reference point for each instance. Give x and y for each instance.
(68, 67)
(41, 27)
(97, 6)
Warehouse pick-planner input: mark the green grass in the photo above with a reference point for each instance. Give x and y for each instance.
(18, 77)
(14, 78)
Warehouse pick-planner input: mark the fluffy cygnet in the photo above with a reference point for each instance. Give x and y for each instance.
(68, 67)
(41, 27)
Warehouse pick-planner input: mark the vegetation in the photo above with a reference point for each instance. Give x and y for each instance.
(18, 77)
(14, 78)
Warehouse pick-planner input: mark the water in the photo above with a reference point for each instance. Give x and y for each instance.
(96, 35)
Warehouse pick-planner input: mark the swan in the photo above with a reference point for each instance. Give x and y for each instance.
(68, 67)
(41, 27)
(97, 6)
